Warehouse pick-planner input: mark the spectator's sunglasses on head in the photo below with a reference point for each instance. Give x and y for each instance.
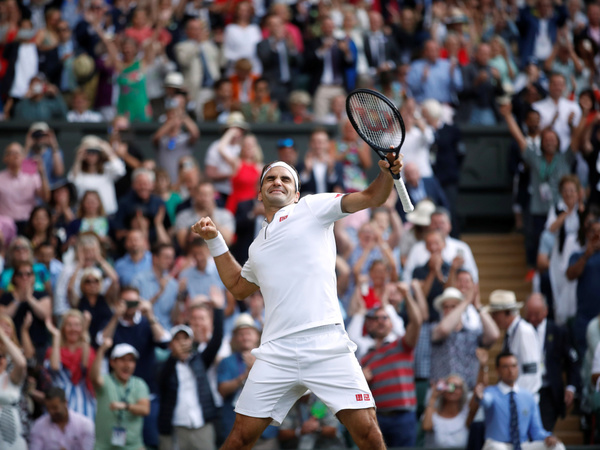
(27, 273)
(131, 303)
(91, 280)
(378, 318)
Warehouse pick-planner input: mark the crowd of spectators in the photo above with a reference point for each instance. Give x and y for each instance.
(113, 318)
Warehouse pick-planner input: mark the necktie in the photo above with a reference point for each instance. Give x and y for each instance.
(284, 69)
(515, 438)
(505, 346)
(207, 79)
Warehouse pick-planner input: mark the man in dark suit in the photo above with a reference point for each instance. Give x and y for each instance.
(421, 188)
(558, 355)
(327, 61)
(380, 49)
(320, 172)
(280, 60)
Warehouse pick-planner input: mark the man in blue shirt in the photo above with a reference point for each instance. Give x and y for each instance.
(138, 258)
(41, 143)
(512, 416)
(157, 286)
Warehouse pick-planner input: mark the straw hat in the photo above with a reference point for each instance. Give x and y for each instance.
(244, 320)
(236, 119)
(449, 293)
(501, 300)
(422, 213)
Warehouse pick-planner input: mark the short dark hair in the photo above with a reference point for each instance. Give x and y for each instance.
(503, 354)
(128, 288)
(56, 392)
(197, 242)
(159, 248)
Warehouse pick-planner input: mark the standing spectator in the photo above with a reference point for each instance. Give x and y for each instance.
(558, 357)
(80, 110)
(96, 168)
(203, 204)
(138, 258)
(61, 427)
(42, 101)
(41, 143)
(93, 302)
(433, 77)
(394, 361)
(19, 191)
(200, 278)
(242, 81)
(320, 171)
(299, 103)
(140, 209)
(328, 60)
(538, 28)
(157, 286)
(482, 85)
(217, 167)
(354, 156)
(241, 37)
(13, 370)
(175, 138)
(512, 416)
(564, 60)
(261, 109)
(69, 361)
(520, 339)
(584, 266)
(279, 58)
(188, 412)
(557, 112)
(381, 50)
(419, 188)
(221, 106)
(198, 58)
(123, 399)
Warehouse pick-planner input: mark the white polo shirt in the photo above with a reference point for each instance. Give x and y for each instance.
(293, 261)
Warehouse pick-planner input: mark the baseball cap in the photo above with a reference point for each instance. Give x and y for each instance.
(187, 330)
(121, 350)
(288, 142)
(39, 128)
(244, 320)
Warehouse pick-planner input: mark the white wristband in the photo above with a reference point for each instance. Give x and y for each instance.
(217, 246)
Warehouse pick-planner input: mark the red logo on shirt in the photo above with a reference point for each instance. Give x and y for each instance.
(367, 397)
(339, 195)
(281, 219)
(359, 397)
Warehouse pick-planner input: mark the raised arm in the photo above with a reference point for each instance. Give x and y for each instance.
(413, 328)
(449, 322)
(95, 370)
(19, 369)
(229, 269)
(377, 192)
(513, 127)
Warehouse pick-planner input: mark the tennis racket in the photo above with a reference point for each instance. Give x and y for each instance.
(379, 123)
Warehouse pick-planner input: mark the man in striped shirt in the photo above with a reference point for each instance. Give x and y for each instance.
(388, 368)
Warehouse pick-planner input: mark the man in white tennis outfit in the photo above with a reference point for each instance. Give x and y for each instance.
(303, 344)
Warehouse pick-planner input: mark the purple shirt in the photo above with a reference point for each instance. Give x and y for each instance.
(79, 434)
(17, 194)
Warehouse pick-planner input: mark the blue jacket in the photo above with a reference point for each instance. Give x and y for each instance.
(529, 24)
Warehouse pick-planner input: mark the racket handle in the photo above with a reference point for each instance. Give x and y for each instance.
(403, 194)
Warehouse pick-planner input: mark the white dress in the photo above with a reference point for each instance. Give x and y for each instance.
(11, 429)
(450, 433)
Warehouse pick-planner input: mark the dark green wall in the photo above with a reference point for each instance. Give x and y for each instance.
(485, 181)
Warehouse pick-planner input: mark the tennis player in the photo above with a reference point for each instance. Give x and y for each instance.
(303, 344)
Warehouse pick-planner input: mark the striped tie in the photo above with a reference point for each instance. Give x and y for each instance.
(8, 433)
(515, 438)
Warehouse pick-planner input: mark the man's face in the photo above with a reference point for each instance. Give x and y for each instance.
(502, 318)
(13, 156)
(57, 410)
(434, 243)
(204, 197)
(375, 21)
(327, 27)
(134, 242)
(200, 255)
(536, 310)
(483, 54)
(287, 155)
(556, 86)
(441, 223)
(508, 370)
(431, 51)
(532, 120)
(380, 325)
(276, 27)
(143, 186)
(246, 338)
(464, 282)
(411, 174)
(278, 188)
(319, 143)
(184, 341)
(45, 254)
(123, 367)
(449, 305)
(165, 259)
(200, 322)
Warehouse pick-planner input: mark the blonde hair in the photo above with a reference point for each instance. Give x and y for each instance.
(5, 318)
(71, 313)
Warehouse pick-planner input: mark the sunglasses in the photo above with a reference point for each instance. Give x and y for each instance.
(24, 274)
(91, 280)
(382, 318)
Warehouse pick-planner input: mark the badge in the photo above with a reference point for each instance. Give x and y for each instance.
(119, 437)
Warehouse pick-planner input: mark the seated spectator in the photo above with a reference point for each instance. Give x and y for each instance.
(123, 141)
(46, 254)
(242, 81)
(141, 29)
(187, 411)
(372, 288)
(246, 171)
(433, 77)
(354, 156)
(91, 216)
(13, 371)
(422, 188)
(80, 110)
(19, 191)
(261, 109)
(453, 346)
(204, 205)
(61, 427)
(94, 302)
(220, 107)
(96, 168)
(444, 421)
(501, 60)
(241, 37)
(69, 361)
(434, 273)
(309, 424)
(140, 209)
(158, 286)
(512, 416)
(87, 254)
(175, 138)
(42, 101)
(41, 143)
(393, 360)
(24, 299)
(163, 188)
(39, 228)
(123, 399)
(20, 251)
(138, 258)
(299, 104)
(62, 203)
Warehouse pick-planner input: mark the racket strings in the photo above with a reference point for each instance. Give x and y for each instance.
(376, 121)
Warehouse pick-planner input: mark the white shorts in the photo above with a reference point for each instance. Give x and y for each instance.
(321, 360)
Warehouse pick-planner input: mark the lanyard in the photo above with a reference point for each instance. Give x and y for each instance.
(123, 397)
(546, 170)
